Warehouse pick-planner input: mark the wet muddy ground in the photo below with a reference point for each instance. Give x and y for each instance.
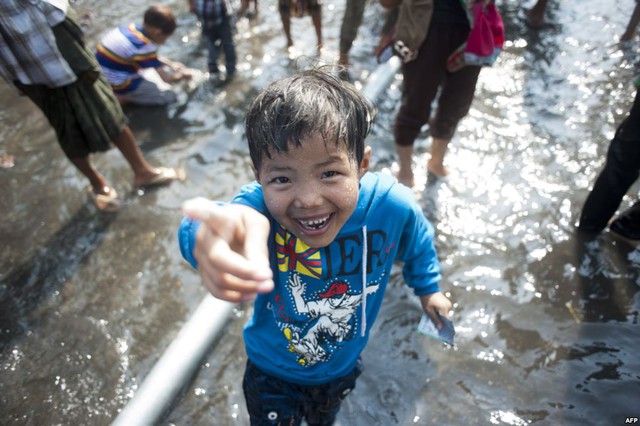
(547, 320)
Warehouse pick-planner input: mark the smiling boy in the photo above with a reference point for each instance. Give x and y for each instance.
(313, 239)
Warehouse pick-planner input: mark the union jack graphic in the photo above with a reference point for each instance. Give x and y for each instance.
(294, 255)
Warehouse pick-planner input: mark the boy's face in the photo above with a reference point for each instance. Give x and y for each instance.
(161, 38)
(312, 190)
(156, 35)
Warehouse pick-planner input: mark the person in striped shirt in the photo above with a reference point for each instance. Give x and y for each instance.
(128, 56)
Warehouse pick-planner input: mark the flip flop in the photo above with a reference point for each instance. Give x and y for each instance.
(106, 202)
(165, 176)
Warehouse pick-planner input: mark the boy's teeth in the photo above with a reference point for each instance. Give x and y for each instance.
(316, 223)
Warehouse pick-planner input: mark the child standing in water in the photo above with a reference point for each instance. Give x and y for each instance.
(298, 9)
(313, 239)
(218, 27)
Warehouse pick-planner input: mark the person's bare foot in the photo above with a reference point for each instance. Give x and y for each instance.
(292, 53)
(437, 170)
(105, 198)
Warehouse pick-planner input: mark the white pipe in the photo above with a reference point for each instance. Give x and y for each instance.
(177, 365)
(380, 78)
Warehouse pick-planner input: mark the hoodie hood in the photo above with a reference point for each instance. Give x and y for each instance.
(374, 189)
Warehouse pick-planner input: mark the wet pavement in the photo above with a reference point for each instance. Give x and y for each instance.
(547, 320)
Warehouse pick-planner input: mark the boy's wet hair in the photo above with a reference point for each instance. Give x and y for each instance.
(160, 17)
(295, 107)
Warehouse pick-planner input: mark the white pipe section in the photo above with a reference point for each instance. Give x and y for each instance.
(177, 365)
(380, 78)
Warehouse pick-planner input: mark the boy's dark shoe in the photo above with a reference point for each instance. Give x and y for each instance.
(220, 80)
(216, 79)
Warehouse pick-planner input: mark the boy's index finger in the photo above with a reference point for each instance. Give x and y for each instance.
(256, 247)
(255, 235)
(200, 209)
(212, 214)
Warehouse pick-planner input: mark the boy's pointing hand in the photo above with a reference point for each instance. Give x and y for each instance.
(231, 249)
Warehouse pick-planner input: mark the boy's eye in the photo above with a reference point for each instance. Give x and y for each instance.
(331, 173)
(280, 179)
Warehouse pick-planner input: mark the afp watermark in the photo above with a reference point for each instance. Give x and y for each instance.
(632, 420)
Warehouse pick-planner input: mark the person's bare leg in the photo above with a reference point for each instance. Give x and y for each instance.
(286, 26)
(244, 6)
(343, 59)
(405, 161)
(436, 163)
(99, 184)
(316, 18)
(143, 172)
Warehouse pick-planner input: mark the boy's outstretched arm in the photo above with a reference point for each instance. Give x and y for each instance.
(231, 249)
(433, 303)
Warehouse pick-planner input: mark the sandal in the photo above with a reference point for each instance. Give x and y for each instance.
(106, 202)
(165, 176)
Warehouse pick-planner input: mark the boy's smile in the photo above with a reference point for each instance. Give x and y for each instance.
(312, 190)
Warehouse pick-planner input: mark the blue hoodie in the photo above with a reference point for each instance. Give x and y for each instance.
(313, 326)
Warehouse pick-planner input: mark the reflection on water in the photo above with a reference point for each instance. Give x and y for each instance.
(547, 319)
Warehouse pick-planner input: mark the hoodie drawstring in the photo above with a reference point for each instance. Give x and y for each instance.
(363, 328)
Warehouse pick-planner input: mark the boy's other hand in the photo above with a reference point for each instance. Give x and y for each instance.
(433, 303)
(181, 72)
(231, 249)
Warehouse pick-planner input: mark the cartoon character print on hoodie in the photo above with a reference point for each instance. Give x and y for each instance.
(328, 315)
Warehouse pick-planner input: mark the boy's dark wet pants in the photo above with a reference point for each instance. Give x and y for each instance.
(271, 401)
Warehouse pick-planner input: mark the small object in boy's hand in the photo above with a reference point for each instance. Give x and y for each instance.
(445, 335)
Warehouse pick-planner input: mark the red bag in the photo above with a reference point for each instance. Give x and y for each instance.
(485, 40)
